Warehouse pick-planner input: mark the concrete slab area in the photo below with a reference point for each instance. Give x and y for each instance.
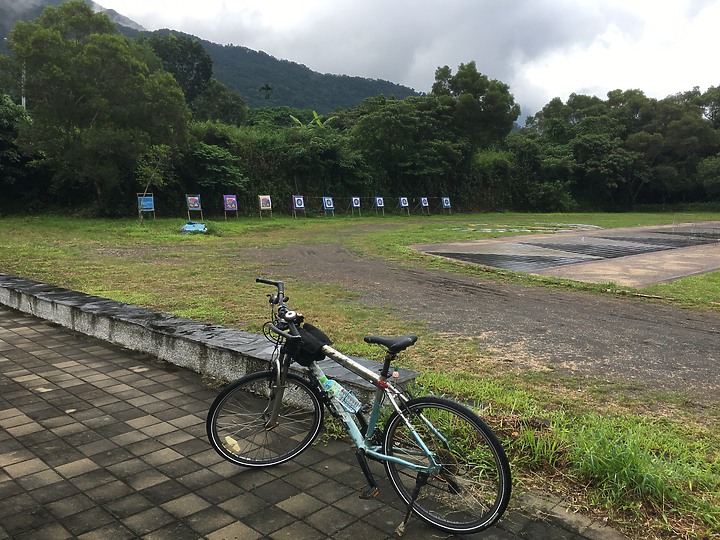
(632, 257)
(100, 442)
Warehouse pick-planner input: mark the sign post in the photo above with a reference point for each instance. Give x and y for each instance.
(146, 203)
(380, 205)
(193, 205)
(298, 204)
(230, 204)
(265, 204)
(328, 205)
(445, 202)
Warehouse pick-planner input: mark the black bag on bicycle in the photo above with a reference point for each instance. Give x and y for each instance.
(308, 348)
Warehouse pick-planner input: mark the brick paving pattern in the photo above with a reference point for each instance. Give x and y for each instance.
(100, 442)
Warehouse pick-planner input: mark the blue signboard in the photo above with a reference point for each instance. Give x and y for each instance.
(146, 203)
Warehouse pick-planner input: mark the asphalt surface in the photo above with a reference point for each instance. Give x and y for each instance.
(100, 442)
(632, 257)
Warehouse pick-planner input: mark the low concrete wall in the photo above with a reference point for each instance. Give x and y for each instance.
(212, 350)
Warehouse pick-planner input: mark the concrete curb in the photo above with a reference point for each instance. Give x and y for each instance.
(554, 511)
(211, 350)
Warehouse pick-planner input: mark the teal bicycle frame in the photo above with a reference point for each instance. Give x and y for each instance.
(383, 388)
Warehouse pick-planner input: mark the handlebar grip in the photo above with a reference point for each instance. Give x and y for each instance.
(268, 282)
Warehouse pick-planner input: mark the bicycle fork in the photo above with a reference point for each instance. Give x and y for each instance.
(277, 390)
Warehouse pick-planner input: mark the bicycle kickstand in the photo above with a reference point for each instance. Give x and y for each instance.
(420, 481)
(371, 490)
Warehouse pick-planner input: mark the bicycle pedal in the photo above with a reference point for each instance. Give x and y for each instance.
(369, 492)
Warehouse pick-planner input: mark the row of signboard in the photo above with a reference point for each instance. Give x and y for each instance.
(146, 202)
(298, 202)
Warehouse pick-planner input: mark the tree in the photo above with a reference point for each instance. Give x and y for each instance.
(542, 175)
(267, 89)
(217, 102)
(630, 108)
(317, 121)
(154, 167)
(186, 59)
(709, 175)
(711, 105)
(96, 105)
(12, 162)
(411, 144)
(609, 174)
(215, 167)
(582, 106)
(485, 110)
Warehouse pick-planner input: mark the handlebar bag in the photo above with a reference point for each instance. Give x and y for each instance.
(309, 348)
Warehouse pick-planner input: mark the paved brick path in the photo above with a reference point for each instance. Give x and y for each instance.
(99, 442)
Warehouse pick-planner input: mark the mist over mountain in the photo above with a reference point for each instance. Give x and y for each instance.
(243, 70)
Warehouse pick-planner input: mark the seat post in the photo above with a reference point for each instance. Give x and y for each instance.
(389, 358)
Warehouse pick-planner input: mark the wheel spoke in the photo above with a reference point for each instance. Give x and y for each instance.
(238, 421)
(472, 487)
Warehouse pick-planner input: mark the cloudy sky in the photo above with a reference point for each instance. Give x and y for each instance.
(541, 48)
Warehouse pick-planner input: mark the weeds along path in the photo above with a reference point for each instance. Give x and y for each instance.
(662, 347)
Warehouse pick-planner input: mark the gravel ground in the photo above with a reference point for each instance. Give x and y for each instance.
(583, 334)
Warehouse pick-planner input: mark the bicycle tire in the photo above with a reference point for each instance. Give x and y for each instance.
(236, 421)
(472, 490)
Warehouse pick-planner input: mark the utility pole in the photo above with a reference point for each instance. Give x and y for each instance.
(22, 87)
(22, 82)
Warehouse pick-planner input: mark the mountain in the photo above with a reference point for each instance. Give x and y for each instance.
(244, 70)
(117, 18)
(12, 11)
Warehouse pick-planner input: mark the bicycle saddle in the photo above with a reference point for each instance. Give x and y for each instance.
(393, 344)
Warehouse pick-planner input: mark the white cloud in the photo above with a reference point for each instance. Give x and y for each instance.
(665, 54)
(541, 48)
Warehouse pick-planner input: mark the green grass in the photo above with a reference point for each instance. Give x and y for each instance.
(700, 290)
(627, 451)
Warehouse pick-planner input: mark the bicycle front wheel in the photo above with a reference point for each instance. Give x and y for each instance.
(237, 420)
(471, 489)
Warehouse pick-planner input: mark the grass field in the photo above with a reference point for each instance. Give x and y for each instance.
(653, 475)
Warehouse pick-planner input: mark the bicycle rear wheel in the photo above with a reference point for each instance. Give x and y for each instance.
(472, 488)
(237, 420)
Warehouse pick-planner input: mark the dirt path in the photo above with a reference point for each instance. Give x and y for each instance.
(615, 339)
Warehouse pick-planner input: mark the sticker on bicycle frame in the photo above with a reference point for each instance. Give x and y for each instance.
(445, 202)
(404, 202)
(355, 201)
(298, 202)
(379, 202)
(328, 203)
(424, 202)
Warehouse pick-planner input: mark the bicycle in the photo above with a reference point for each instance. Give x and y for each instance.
(441, 458)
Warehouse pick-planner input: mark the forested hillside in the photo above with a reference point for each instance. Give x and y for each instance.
(248, 72)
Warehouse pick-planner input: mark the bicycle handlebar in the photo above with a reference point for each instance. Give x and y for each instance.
(280, 298)
(278, 284)
(282, 333)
